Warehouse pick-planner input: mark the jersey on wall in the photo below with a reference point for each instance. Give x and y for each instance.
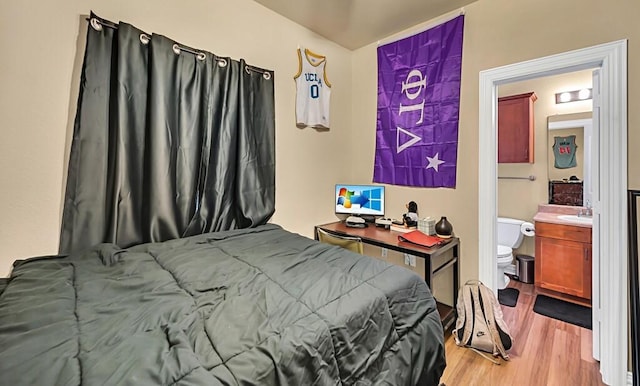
(313, 90)
(564, 151)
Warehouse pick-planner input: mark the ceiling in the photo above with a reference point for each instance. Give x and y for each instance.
(356, 23)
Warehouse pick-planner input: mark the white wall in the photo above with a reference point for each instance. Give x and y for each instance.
(40, 69)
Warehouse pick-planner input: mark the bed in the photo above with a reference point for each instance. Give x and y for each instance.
(259, 306)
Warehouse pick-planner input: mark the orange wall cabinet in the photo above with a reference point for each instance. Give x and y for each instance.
(516, 128)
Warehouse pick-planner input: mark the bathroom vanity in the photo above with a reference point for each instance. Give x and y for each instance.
(563, 252)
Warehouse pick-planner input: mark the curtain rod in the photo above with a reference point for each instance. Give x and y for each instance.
(97, 25)
(530, 178)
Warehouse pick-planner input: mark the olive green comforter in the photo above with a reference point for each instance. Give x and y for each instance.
(259, 306)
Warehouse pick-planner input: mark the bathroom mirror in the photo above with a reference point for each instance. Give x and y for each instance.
(569, 158)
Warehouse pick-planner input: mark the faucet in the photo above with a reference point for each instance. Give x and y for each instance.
(587, 211)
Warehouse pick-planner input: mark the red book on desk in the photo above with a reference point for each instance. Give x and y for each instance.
(420, 238)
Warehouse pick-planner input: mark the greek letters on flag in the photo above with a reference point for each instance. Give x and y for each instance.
(418, 108)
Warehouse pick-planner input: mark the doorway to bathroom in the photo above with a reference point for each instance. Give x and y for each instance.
(547, 181)
(610, 205)
(525, 185)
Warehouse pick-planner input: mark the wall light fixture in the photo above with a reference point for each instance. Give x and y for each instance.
(572, 96)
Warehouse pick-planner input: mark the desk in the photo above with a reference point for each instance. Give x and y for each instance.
(436, 259)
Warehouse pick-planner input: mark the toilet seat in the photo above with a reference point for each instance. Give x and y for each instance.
(505, 254)
(504, 259)
(504, 251)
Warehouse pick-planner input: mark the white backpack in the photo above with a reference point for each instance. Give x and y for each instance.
(479, 325)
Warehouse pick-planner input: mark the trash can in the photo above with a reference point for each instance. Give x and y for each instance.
(524, 268)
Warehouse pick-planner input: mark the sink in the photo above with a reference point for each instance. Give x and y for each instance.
(576, 218)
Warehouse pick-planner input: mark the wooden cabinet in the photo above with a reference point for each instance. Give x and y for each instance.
(563, 259)
(565, 193)
(516, 128)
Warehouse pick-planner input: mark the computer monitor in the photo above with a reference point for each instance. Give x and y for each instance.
(360, 200)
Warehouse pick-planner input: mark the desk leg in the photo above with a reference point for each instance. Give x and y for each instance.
(428, 272)
(456, 275)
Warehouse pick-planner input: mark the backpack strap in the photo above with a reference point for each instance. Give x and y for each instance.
(491, 307)
(485, 356)
(465, 317)
(503, 329)
(481, 335)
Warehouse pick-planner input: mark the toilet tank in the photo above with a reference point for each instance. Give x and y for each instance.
(509, 233)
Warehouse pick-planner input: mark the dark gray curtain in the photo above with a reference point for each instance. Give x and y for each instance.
(166, 144)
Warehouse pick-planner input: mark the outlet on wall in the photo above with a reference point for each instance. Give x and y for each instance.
(409, 260)
(384, 252)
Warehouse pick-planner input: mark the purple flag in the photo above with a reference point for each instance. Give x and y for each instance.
(418, 107)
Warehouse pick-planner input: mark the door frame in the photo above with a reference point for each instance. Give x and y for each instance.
(611, 59)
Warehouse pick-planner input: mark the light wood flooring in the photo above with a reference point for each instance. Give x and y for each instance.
(545, 351)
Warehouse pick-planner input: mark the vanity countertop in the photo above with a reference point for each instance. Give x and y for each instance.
(550, 213)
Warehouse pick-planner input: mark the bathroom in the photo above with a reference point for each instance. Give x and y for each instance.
(524, 186)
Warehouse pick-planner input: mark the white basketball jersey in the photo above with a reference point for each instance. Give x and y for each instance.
(313, 90)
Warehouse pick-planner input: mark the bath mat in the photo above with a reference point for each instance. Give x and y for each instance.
(508, 297)
(564, 311)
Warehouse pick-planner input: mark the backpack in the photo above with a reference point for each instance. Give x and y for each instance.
(479, 323)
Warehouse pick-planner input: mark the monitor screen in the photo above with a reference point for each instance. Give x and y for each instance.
(366, 200)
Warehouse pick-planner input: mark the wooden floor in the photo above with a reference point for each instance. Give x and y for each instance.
(545, 352)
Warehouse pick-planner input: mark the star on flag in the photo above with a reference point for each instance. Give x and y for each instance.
(434, 162)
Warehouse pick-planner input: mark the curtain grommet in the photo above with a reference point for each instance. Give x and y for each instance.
(266, 75)
(222, 62)
(246, 69)
(201, 56)
(176, 49)
(95, 24)
(145, 39)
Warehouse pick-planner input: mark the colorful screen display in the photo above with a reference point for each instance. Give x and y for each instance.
(360, 199)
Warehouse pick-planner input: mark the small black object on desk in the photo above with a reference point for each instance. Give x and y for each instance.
(410, 218)
(355, 222)
(444, 228)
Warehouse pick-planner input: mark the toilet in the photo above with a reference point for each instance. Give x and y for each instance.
(510, 237)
